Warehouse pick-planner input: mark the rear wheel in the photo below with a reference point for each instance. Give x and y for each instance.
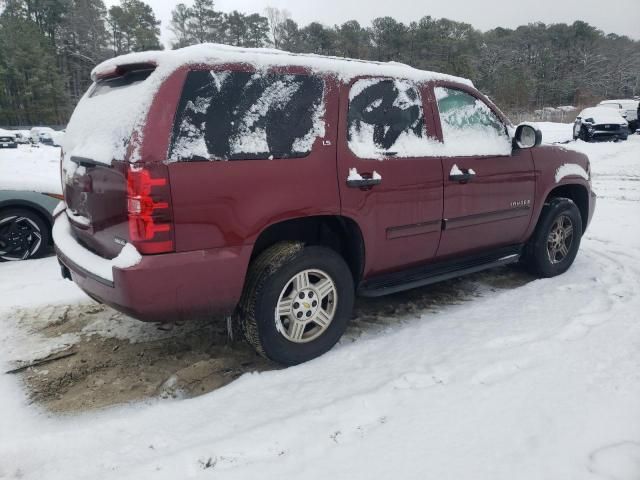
(23, 235)
(297, 302)
(556, 240)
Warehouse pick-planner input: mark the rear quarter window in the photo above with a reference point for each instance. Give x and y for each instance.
(244, 115)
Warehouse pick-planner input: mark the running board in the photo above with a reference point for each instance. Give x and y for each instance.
(437, 272)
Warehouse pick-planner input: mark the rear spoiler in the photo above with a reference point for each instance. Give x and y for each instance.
(114, 71)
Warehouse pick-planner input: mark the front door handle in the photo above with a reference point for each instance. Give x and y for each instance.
(461, 176)
(363, 182)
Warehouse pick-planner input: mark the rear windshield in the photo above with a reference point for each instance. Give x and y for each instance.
(104, 120)
(244, 115)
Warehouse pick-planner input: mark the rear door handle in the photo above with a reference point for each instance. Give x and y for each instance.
(356, 180)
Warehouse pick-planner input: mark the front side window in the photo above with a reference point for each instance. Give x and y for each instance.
(469, 126)
(386, 118)
(243, 115)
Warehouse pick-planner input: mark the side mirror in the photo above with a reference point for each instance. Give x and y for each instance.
(527, 136)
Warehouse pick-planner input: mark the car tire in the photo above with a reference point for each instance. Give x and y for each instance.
(556, 239)
(296, 303)
(584, 135)
(23, 235)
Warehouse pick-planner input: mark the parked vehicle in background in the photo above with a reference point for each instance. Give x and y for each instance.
(8, 139)
(276, 186)
(26, 219)
(628, 108)
(22, 136)
(600, 124)
(51, 138)
(38, 133)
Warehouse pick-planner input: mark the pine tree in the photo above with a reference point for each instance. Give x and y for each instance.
(205, 23)
(134, 27)
(257, 28)
(33, 90)
(179, 25)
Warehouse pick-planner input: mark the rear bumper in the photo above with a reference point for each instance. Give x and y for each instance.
(157, 288)
(169, 287)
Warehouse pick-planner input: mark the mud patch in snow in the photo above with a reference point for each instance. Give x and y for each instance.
(121, 360)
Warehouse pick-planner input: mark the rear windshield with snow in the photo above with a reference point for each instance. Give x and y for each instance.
(386, 118)
(469, 126)
(106, 117)
(244, 115)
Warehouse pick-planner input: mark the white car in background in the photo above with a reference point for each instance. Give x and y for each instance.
(629, 109)
(46, 136)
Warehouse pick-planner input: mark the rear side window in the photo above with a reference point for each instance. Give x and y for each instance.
(244, 115)
(386, 118)
(469, 126)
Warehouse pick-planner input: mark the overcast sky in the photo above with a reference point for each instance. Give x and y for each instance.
(612, 16)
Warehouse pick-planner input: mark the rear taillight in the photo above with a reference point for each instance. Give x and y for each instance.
(149, 209)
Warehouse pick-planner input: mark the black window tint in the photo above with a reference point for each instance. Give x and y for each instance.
(381, 111)
(242, 115)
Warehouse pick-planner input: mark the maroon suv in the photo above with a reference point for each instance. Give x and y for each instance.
(273, 187)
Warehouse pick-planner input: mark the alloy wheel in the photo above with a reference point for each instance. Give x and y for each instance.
(306, 306)
(20, 238)
(560, 239)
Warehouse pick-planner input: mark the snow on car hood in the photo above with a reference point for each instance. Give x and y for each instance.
(602, 115)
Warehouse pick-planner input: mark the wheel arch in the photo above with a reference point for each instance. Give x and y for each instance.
(337, 232)
(578, 194)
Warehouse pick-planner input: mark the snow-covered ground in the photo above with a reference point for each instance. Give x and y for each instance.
(33, 168)
(538, 381)
(555, 132)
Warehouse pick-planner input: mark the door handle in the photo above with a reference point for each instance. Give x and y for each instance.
(461, 176)
(365, 180)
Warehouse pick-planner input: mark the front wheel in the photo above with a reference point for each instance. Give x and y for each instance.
(556, 240)
(584, 135)
(297, 302)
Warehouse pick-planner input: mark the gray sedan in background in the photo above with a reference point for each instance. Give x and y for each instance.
(26, 219)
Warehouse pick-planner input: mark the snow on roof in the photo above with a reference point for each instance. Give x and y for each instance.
(102, 125)
(262, 58)
(7, 133)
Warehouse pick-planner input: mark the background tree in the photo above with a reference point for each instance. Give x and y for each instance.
(32, 87)
(277, 18)
(179, 25)
(48, 48)
(134, 27)
(205, 23)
